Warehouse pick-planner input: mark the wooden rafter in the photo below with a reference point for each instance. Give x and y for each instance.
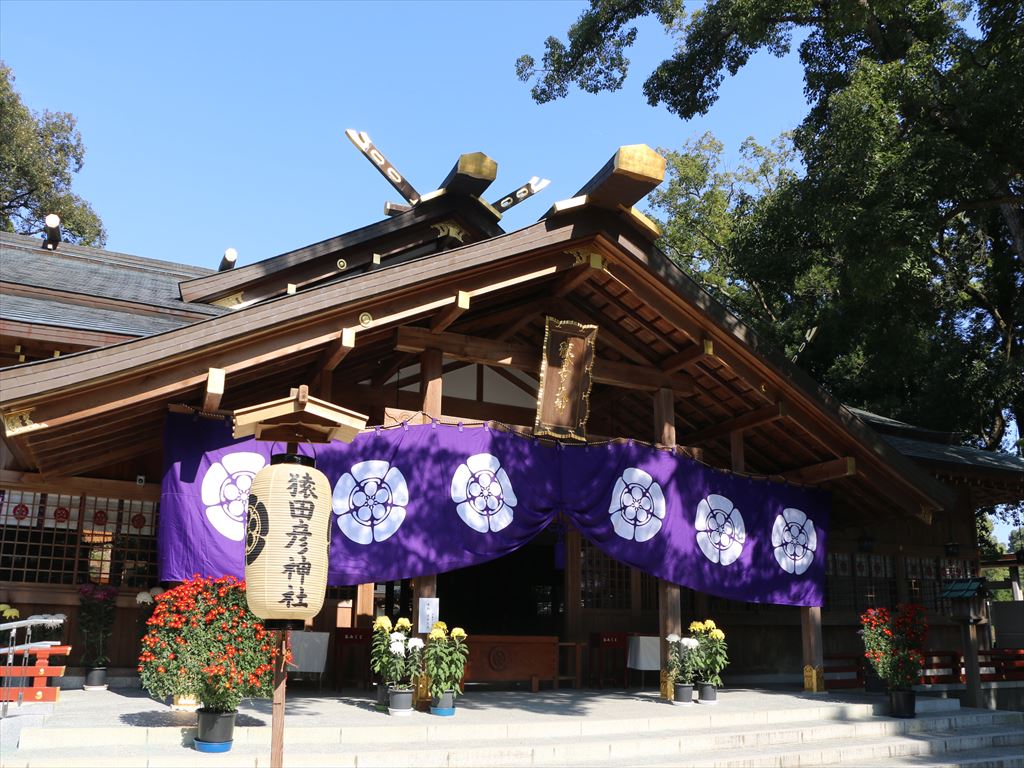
(530, 389)
(680, 360)
(844, 466)
(94, 459)
(488, 352)
(744, 421)
(450, 314)
(608, 333)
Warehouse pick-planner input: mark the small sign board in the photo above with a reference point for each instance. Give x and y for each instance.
(430, 611)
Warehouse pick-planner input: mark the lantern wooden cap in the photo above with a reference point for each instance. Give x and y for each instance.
(299, 418)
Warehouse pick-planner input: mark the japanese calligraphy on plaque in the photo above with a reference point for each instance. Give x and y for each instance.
(563, 400)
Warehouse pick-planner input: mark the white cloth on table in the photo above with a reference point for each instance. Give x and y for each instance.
(644, 652)
(309, 652)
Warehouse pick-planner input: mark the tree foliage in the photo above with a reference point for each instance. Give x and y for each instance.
(890, 223)
(39, 154)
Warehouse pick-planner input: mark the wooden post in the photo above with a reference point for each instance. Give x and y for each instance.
(431, 371)
(1018, 594)
(573, 587)
(739, 463)
(972, 669)
(670, 618)
(814, 657)
(277, 710)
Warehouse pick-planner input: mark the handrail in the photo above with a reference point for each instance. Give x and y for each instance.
(12, 648)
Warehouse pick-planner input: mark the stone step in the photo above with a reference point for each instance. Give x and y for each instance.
(422, 728)
(801, 743)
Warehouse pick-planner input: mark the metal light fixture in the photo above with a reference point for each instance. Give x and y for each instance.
(52, 230)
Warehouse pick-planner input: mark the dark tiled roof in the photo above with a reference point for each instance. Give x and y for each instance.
(47, 311)
(956, 454)
(96, 272)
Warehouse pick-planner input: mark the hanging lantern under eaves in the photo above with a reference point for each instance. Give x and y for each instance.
(286, 541)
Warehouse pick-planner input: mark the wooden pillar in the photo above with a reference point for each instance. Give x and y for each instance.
(1018, 594)
(972, 669)
(814, 655)
(431, 371)
(670, 618)
(739, 463)
(573, 585)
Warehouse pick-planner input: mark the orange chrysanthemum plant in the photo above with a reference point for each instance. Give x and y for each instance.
(203, 641)
(894, 644)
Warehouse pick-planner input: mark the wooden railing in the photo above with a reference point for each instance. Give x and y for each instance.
(997, 664)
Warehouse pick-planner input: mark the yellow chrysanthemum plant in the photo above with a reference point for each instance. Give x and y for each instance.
(444, 659)
(712, 653)
(380, 644)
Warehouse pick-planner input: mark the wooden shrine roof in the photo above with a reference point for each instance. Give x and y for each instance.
(410, 283)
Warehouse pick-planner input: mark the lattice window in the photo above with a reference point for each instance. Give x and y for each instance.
(55, 538)
(605, 583)
(859, 581)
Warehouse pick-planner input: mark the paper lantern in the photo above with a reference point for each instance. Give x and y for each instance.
(286, 541)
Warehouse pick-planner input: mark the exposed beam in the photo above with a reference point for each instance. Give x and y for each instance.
(214, 389)
(488, 352)
(844, 466)
(117, 489)
(623, 343)
(745, 421)
(528, 388)
(95, 459)
(449, 315)
(365, 397)
(680, 360)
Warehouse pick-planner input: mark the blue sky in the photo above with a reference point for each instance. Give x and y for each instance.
(210, 125)
(221, 124)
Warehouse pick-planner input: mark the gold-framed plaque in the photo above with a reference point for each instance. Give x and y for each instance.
(567, 360)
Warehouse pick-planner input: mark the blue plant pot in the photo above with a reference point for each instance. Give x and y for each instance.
(212, 746)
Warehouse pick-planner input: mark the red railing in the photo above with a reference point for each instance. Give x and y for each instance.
(997, 664)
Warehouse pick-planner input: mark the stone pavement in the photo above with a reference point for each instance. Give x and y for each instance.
(747, 728)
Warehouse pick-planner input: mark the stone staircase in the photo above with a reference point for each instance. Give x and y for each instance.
(784, 732)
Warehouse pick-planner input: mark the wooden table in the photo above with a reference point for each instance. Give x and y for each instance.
(511, 658)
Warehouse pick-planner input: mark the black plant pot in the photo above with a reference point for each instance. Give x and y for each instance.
(400, 701)
(95, 679)
(682, 694)
(215, 730)
(902, 703)
(707, 693)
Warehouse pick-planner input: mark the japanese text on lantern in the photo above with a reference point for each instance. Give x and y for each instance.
(302, 490)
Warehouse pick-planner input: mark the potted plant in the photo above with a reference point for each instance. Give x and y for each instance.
(893, 645)
(710, 657)
(444, 661)
(680, 671)
(96, 622)
(380, 649)
(203, 640)
(402, 667)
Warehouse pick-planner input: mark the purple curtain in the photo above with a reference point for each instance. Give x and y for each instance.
(427, 499)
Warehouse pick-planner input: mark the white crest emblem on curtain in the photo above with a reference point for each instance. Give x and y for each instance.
(483, 494)
(720, 529)
(637, 507)
(370, 501)
(795, 540)
(225, 491)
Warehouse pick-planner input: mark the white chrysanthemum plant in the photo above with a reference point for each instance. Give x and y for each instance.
(681, 658)
(401, 664)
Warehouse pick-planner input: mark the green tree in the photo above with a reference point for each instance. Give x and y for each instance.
(895, 231)
(39, 153)
(1017, 539)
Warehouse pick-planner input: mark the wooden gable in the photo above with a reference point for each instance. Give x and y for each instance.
(357, 338)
